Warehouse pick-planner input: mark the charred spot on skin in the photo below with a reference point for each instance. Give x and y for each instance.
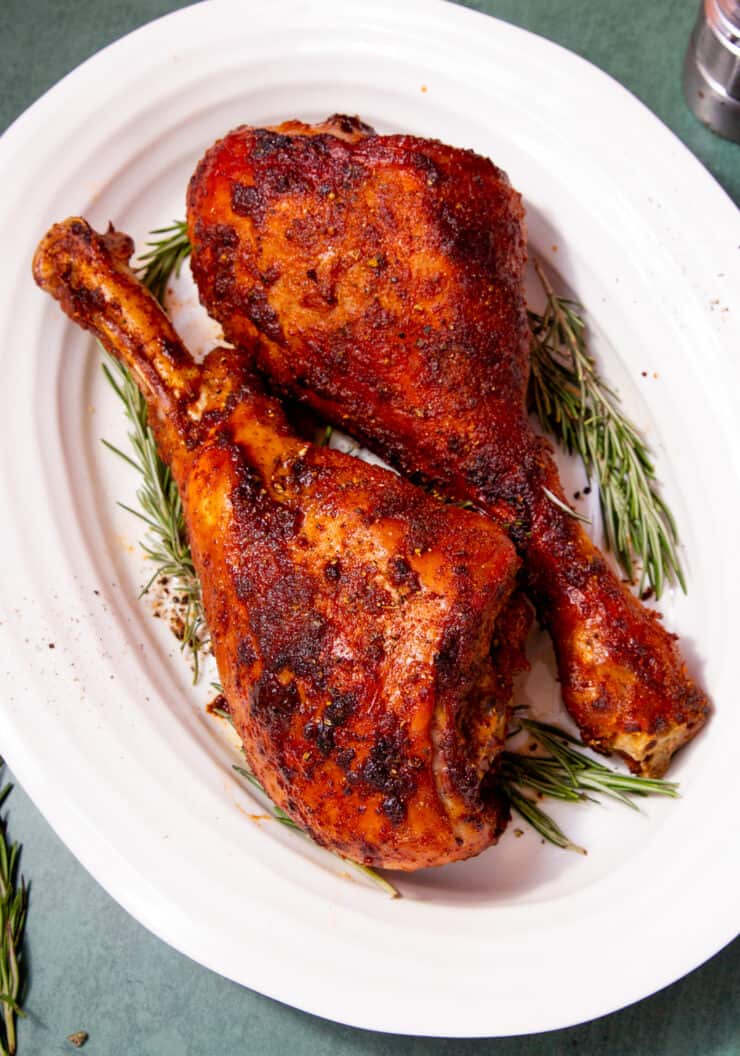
(390, 769)
(374, 599)
(447, 658)
(171, 349)
(215, 246)
(345, 759)
(274, 701)
(270, 276)
(350, 124)
(287, 182)
(463, 775)
(301, 472)
(464, 238)
(81, 230)
(427, 167)
(267, 143)
(247, 201)
(217, 237)
(223, 283)
(245, 654)
(86, 300)
(322, 730)
(401, 574)
(260, 312)
(302, 652)
(269, 582)
(254, 507)
(393, 809)
(340, 707)
(333, 570)
(321, 733)
(388, 504)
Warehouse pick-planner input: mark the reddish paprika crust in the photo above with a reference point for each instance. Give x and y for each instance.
(381, 277)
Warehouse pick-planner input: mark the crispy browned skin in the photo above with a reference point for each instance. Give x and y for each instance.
(382, 277)
(351, 614)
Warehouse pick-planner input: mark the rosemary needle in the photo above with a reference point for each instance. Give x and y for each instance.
(566, 509)
(164, 257)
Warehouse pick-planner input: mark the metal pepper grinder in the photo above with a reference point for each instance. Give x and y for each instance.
(711, 72)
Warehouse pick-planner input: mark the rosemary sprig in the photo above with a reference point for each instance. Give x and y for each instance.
(567, 774)
(565, 508)
(13, 908)
(583, 413)
(160, 508)
(164, 258)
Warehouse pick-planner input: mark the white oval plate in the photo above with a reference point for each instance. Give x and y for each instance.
(104, 729)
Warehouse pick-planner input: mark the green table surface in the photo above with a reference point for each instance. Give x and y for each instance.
(94, 968)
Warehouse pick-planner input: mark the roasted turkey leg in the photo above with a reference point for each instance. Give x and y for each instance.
(382, 278)
(351, 614)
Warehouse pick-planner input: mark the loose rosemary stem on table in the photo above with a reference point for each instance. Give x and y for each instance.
(13, 909)
(579, 409)
(575, 405)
